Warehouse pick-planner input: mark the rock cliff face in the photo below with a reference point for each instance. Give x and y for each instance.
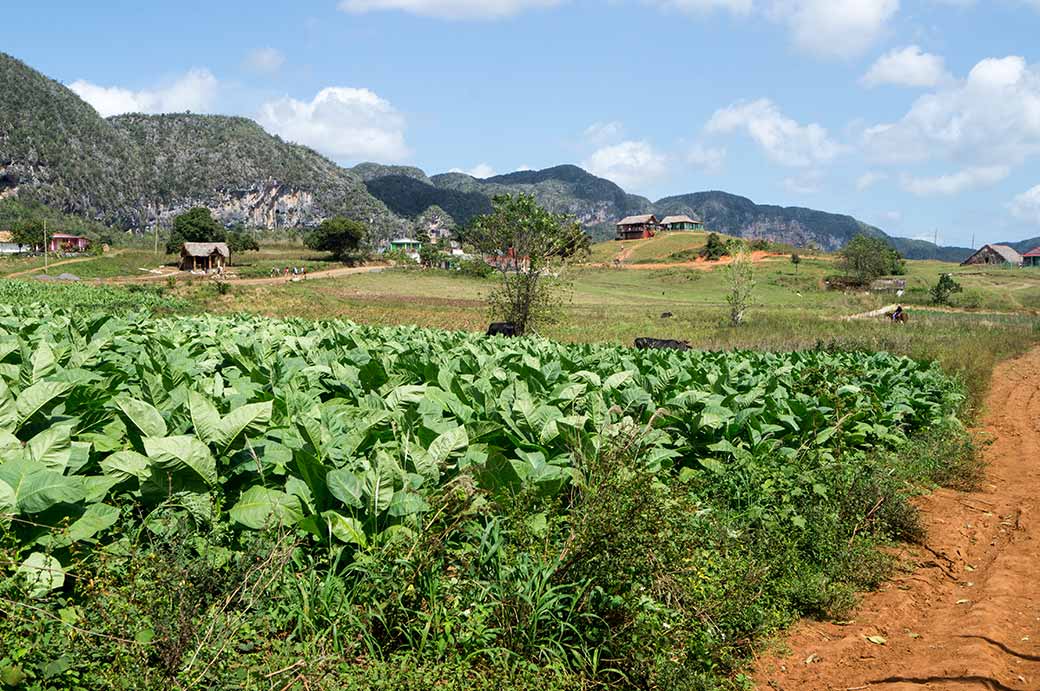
(266, 205)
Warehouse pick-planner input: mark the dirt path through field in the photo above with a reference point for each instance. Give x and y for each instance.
(968, 616)
(51, 265)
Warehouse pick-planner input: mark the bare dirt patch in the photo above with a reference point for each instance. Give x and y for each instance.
(968, 615)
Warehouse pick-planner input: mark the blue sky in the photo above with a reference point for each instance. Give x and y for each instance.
(915, 115)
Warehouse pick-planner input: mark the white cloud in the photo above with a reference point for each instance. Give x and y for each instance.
(955, 183)
(344, 123)
(710, 159)
(909, 66)
(265, 60)
(196, 91)
(629, 164)
(1026, 206)
(600, 133)
(449, 9)
(481, 170)
(991, 117)
(703, 6)
(894, 216)
(808, 182)
(835, 28)
(784, 140)
(869, 179)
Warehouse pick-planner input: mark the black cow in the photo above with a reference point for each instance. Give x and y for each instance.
(661, 344)
(507, 329)
(666, 315)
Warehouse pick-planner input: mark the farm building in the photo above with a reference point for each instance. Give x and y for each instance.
(682, 223)
(63, 242)
(6, 246)
(1032, 257)
(637, 227)
(406, 245)
(994, 255)
(205, 256)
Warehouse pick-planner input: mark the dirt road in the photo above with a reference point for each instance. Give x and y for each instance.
(968, 617)
(39, 269)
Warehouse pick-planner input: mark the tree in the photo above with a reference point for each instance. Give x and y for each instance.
(341, 237)
(715, 248)
(795, 260)
(241, 241)
(740, 275)
(867, 258)
(195, 225)
(529, 247)
(27, 232)
(945, 288)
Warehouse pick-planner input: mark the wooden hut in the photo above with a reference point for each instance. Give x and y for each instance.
(1032, 257)
(204, 256)
(994, 255)
(637, 227)
(682, 223)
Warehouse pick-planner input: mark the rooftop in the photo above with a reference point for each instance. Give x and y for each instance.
(637, 220)
(205, 249)
(668, 220)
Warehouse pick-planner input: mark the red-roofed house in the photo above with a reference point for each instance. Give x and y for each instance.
(1032, 257)
(63, 242)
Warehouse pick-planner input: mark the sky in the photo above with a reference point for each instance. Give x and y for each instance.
(921, 117)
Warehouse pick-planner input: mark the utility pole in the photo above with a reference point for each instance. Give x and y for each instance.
(45, 245)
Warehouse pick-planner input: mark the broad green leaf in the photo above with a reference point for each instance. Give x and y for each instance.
(205, 418)
(37, 489)
(35, 398)
(42, 573)
(248, 418)
(260, 507)
(406, 504)
(452, 440)
(378, 484)
(183, 453)
(345, 486)
(345, 528)
(124, 465)
(51, 447)
(143, 416)
(97, 518)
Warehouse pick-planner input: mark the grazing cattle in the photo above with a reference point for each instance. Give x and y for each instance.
(502, 329)
(661, 344)
(666, 315)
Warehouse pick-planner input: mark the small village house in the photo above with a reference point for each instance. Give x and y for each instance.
(6, 245)
(994, 255)
(1031, 258)
(637, 227)
(63, 242)
(205, 256)
(682, 223)
(406, 245)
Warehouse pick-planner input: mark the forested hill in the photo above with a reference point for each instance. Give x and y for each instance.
(133, 170)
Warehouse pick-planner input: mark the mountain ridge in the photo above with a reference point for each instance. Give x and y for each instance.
(135, 171)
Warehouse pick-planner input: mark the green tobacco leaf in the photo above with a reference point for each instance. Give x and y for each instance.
(245, 419)
(51, 448)
(378, 486)
(33, 399)
(259, 507)
(205, 418)
(345, 486)
(447, 442)
(345, 528)
(124, 465)
(406, 504)
(42, 361)
(42, 574)
(183, 453)
(8, 500)
(97, 518)
(143, 416)
(37, 489)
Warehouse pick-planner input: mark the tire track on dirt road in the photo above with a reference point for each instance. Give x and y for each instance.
(968, 617)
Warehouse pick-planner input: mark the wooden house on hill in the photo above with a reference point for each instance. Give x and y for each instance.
(682, 223)
(994, 255)
(1032, 257)
(205, 256)
(637, 227)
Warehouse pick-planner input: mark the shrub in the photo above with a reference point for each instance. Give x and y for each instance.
(945, 288)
